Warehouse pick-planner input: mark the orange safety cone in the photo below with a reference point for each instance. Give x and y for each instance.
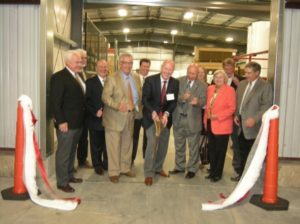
(269, 199)
(18, 192)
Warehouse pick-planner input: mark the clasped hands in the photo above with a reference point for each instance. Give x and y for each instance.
(163, 119)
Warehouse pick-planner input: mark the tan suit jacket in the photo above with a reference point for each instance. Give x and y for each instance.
(114, 92)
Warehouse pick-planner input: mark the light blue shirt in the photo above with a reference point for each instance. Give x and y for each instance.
(133, 87)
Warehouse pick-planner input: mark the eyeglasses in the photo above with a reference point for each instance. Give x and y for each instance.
(127, 62)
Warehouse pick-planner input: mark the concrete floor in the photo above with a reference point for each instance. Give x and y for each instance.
(173, 200)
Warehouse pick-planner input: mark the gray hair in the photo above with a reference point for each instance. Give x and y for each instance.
(69, 54)
(81, 51)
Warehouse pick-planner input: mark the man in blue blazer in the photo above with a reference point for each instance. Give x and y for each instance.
(95, 106)
(67, 104)
(160, 94)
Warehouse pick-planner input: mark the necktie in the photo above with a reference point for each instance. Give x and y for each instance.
(79, 82)
(130, 97)
(185, 104)
(163, 93)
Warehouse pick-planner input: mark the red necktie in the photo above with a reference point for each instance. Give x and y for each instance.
(163, 93)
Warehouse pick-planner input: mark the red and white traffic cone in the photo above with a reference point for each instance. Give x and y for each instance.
(269, 199)
(18, 192)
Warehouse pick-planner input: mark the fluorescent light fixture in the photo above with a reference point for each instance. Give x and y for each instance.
(165, 42)
(229, 39)
(126, 30)
(174, 32)
(188, 15)
(122, 12)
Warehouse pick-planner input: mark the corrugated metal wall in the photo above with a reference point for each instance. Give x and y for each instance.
(19, 71)
(290, 82)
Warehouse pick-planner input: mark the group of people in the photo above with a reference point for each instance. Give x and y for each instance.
(114, 108)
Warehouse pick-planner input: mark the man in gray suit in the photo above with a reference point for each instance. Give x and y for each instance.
(188, 121)
(120, 97)
(254, 97)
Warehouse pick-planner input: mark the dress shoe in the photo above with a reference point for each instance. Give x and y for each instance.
(236, 178)
(67, 188)
(129, 174)
(208, 170)
(189, 175)
(208, 177)
(175, 171)
(162, 173)
(85, 164)
(114, 179)
(215, 179)
(99, 171)
(148, 181)
(75, 180)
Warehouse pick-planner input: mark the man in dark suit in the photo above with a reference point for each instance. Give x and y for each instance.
(254, 97)
(160, 94)
(187, 121)
(67, 101)
(94, 106)
(233, 81)
(140, 75)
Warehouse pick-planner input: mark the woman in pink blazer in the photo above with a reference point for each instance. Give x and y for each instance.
(218, 120)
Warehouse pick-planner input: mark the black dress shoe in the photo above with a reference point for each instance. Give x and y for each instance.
(99, 171)
(189, 175)
(67, 188)
(208, 177)
(75, 180)
(215, 179)
(175, 171)
(236, 178)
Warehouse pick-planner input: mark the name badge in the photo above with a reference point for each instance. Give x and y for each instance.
(170, 96)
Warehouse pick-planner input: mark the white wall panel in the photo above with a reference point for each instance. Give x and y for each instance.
(290, 82)
(19, 57)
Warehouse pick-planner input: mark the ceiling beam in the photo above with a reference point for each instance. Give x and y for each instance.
(239, 35)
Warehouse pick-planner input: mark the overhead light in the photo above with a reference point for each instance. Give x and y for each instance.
(193, 53)
(229, 39)
(128, 40)
(188, 15)
(165, 42)
(126, 30)
(122, 12)
(174, 32)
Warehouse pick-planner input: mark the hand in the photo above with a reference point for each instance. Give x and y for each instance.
(99, 113)
(186, 95)
(249, 122)
(155, 116)
(63, 127)
(236, 120)
(194, 101)
(164, 120)
(123, 107)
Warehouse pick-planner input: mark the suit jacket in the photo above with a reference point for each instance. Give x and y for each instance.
(114, 93)
(194, 113)
(67, 99)
(255, 104)
(151, 99)
(93, 101)
(224, 107)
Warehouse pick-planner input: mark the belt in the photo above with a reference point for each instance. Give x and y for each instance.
(129, 111)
